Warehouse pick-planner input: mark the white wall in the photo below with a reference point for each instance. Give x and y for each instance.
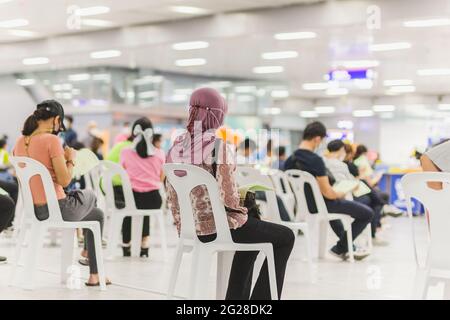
(16, 105)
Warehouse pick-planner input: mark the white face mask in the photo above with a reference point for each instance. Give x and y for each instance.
(321, 147)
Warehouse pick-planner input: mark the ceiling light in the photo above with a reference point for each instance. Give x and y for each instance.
(105, 54)
(245, 98)
(14, 23)
(147, 80)
(179, 98)
(295, 35)
(219, 84)
(101, 77)
(191, 45)
(96, 23)
(35, 61)
(383, 108)
(324, 109)
(363, 113)
(356, 64)
(268, 69)
(402, 89)
(427, 23)
(308, 114)
(345, 124)
(92, 11)
(280, 94)
(315, 86)
(279, 55)
(25, 82)
(272, 111)
(190, 62)
(5, 1)
(79, 77)
(389, 46)
(434, 72)
(188, 10)
(185, 92)
(399, 82)
(337, 91)
(444, 106)
(244, 89)
(22, 33)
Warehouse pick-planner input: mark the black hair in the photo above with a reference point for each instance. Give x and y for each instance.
(248, 144)
(360, 150)
(2, 143)
(77, 145)
(156, 137)
(281, 151)
(314, 129)
(348, 148)
(141, 147)
(31, 124)
(335, 145)
(69, 118)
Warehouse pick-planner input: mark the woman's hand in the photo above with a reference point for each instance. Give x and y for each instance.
(69, 153)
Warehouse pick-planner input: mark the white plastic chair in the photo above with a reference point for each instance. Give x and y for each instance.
(116, 215)
(248, 175)
(26, 168)
(298, 180)
(284, 191)
(437, 264)
(184, 178)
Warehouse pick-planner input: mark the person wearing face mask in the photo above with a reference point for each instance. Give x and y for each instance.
(70, 135)
(40, 142)
(305, 159)
(334, 161)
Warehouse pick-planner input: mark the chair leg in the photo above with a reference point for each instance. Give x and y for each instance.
(99, 256)
(202, 271)
(323, 235)
(175, 269)
(67, 250)
(350, 244)
(421, 284)
(137, 222)
(272, 274)
(307, 236)
(224, 263)
(162, 227)
(18, 251)
(113, 235)
(32, 254)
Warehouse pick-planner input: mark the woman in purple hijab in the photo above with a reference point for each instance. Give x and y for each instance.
(206, 114)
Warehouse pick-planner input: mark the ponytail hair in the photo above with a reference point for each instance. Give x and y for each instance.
(141, 148)
(31, 124)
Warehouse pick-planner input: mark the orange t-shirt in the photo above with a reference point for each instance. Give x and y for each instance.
(43, 148)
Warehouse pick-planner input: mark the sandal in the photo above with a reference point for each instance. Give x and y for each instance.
(87, 284)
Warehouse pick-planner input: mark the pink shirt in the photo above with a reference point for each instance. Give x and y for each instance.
(43, 148)
(144, 173)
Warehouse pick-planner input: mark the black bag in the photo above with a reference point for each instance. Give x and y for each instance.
(250, 197)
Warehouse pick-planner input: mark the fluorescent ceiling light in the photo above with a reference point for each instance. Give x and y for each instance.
(383, 108)
(308, 114)
(22, 33)
(402, 89)
(295, 35)
(363, 113)
(363, 83)
(337, 91)
(245, 98)
(25, 82)
(148, 94)
(179, 98)
(399, 82)
(434, 72)
(389, 46)
(219, 84)
(272, 111)
(35, 61)
(186, 91)
(14, 23)
(101, 77)
(5, 1)
(188, 10)
(268, 69)
(105, 54)
(444, 106)
(279, 55)
(279, 94)
(315, 86)
(427, 23)
(96, 23)
(191, 45)
(147, 80)
(190, 62)
(92, 11)
(79, 77)
(244, 89)
(345, 124)
(356, 64)
(324, 109)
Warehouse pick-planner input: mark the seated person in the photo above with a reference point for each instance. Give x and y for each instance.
(6, 214)
(339, 170)
(436, 159)
(279, 163)
(305, 158)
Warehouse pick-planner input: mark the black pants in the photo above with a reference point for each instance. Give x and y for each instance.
(257, 231)
(143, 200)
(6, 211)
(362, 214)
(376, 206)
(13, 190)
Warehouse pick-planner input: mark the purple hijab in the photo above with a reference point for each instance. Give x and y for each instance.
(206, 113)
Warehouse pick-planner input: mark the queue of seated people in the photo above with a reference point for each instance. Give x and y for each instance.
(143, 160)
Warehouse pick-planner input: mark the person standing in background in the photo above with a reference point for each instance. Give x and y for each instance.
(279, 163)
(124, 133)
(157, 140)
(70, 135)
(96, 146)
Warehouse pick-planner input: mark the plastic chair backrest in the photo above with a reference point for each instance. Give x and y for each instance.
(27, 168)
(248, 175)
(109, 171)
(298, 179)
(283, 187)
(184, 178)
(436, 203)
